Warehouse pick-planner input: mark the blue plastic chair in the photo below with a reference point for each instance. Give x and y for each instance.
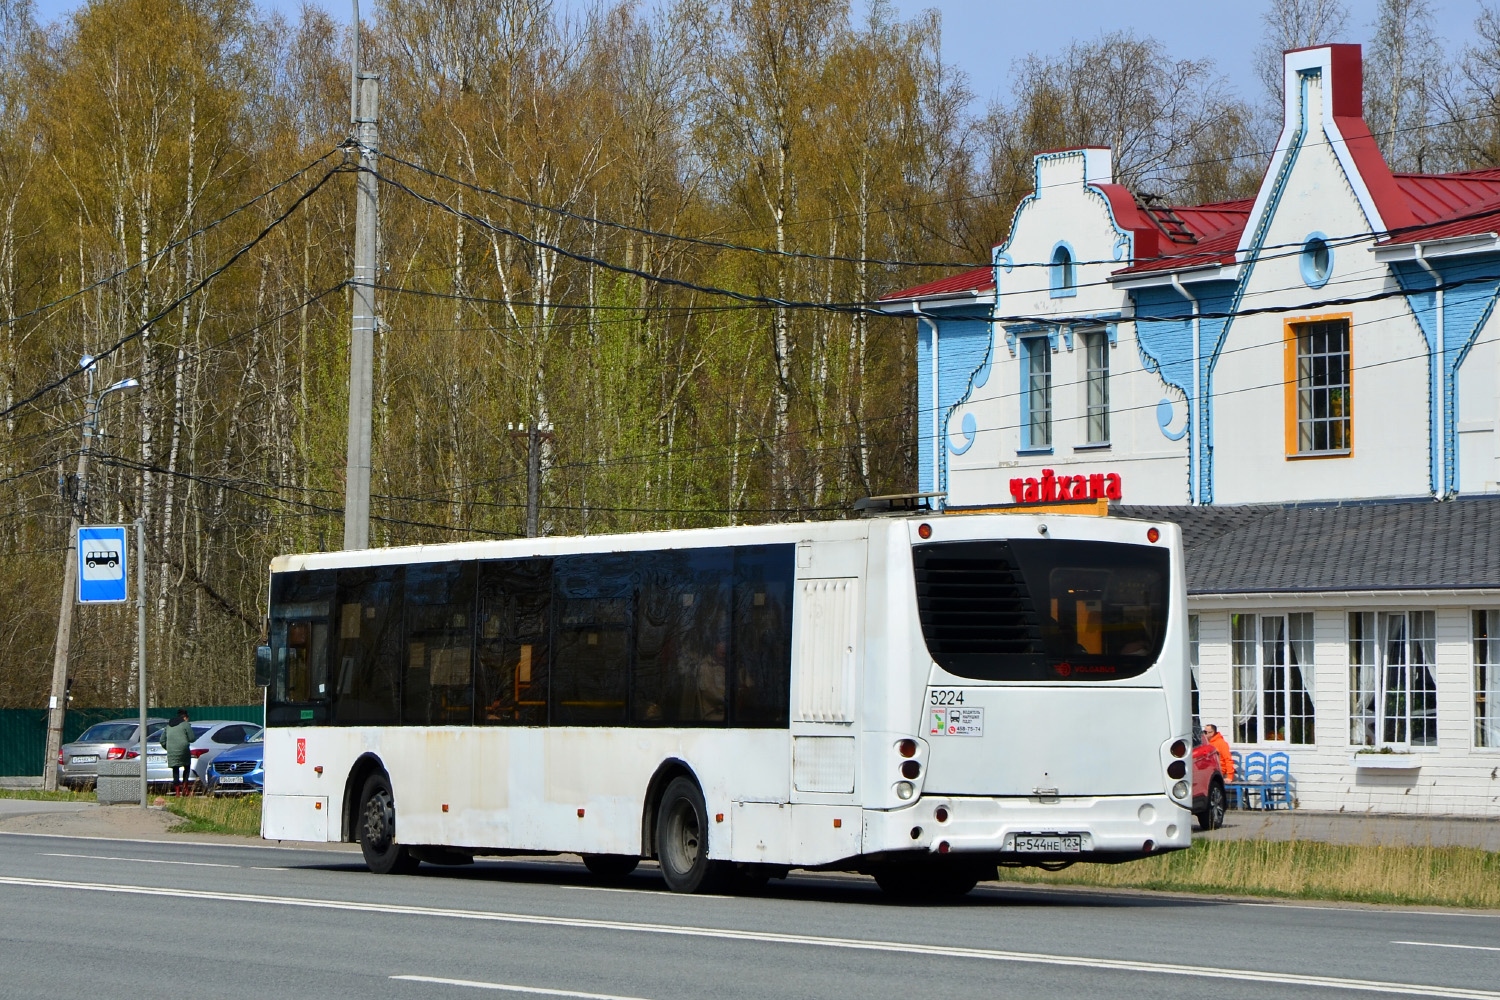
(1278, 787)
(1249, 779)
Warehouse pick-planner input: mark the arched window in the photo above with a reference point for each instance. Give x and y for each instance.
(1064, 277)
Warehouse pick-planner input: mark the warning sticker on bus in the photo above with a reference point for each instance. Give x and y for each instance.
(957, 722)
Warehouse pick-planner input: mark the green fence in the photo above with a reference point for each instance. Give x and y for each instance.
(23, 731)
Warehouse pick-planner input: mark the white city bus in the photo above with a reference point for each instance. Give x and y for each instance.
(917, 698)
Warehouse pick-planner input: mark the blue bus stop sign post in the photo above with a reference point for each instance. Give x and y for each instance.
(101, 565)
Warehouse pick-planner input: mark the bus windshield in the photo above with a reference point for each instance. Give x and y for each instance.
(1042, 609)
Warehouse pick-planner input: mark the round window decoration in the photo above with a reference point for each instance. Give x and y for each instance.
(1317, 260)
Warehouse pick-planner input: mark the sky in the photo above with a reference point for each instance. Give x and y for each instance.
(984, 38)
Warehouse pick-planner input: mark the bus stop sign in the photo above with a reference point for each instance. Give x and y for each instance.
(101, 565)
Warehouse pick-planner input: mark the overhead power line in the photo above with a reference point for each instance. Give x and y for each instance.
(171, 306)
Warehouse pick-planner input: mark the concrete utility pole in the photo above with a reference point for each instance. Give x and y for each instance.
(57, 705)
(535, 435)
(364, 112)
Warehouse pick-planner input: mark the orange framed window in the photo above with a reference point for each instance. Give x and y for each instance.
(1319, 387)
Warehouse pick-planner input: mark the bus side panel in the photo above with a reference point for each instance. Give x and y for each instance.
(523, 788)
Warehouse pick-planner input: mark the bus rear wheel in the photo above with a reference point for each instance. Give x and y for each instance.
(610, 865)
(682, 839)
(377, 830)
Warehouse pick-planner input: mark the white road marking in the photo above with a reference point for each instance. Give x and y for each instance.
(144, 861)
(772, 937)
(1440, 944)
(332, 846)
(1392, 911)
(475, 984)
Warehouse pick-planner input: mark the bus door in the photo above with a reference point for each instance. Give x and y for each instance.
(1044, 679)
(827, 662)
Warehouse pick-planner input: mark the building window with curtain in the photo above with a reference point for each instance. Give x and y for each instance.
(1320, 402)
(1273, 661)
(1096, 387)
(1393, 678)
(1036, 394)
(1487, 679)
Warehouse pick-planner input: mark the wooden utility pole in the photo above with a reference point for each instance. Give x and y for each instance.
(364, 112)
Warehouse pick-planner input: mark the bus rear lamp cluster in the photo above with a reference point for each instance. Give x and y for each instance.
(1177, 769)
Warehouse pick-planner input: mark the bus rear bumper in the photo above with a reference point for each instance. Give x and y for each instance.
(1023, 829)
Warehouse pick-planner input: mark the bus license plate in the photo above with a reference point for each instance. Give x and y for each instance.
(232, 779)
(1049, 843)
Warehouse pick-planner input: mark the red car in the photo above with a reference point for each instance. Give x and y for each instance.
(1208, 785)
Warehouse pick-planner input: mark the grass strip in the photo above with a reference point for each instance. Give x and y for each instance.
(40, 795)
(237, 814)
(1301, 869)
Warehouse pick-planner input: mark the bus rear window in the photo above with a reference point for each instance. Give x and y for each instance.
(1040, 609)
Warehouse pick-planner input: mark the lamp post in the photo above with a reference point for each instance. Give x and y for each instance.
(57, 706)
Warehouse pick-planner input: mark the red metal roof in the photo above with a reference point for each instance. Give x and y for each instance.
(1171, 238)
(980, 279)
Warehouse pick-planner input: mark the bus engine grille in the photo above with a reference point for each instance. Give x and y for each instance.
(973, 602)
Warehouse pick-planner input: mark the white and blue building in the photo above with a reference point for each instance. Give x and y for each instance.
(1307, 380)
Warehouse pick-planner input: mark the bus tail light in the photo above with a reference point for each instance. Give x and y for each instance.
(943, 847)
(1149, 846)
(911, 769)
(907, 748)
(924, 531)
(1180, 790)
(940, 814)
(905, 790)
(1152, 535)
(1179, 748)
(1177, 769)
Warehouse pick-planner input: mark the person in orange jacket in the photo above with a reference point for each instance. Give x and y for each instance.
(1216, 740)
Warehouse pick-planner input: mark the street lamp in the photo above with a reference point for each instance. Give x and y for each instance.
(57, 706)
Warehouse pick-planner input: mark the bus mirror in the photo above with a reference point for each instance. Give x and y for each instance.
(263, 666)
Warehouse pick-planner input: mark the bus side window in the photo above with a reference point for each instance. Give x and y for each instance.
(591, 669)
(513, 642)
(762, 643)
(437, 687)
(367, 654)
(682, 637)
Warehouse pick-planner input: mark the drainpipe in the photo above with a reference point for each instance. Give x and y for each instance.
(1440, 422)
(1195, 405)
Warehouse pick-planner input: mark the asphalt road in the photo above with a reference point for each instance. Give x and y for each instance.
(115, 918)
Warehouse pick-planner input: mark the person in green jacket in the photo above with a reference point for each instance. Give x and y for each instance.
(178, 740)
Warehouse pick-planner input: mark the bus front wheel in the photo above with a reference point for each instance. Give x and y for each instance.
(377, 830)
(682, 839)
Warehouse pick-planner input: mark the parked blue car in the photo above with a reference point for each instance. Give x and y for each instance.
(240, 770)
